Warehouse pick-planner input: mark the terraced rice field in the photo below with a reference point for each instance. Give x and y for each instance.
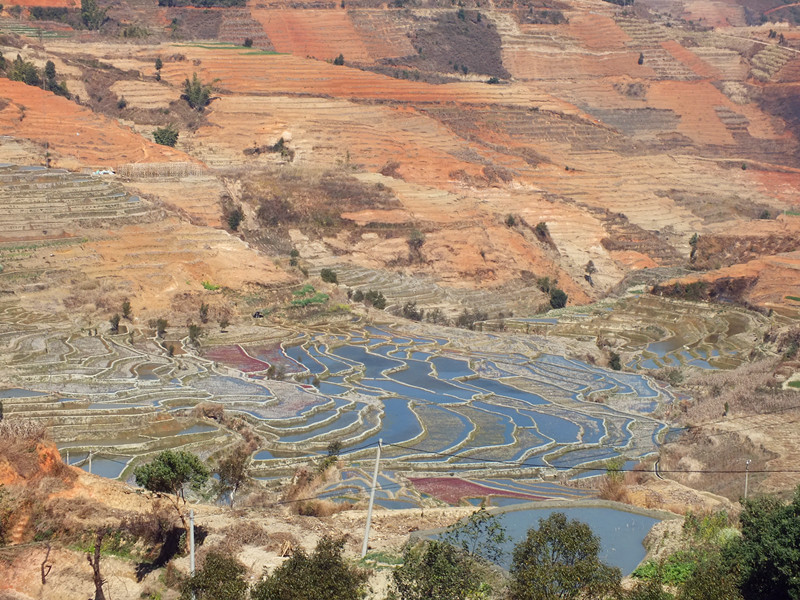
(438, 403)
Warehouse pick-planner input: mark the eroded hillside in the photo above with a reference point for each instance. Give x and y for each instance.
(624, 131)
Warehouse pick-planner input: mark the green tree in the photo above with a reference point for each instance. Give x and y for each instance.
(195, 331)
(339, 60)
(614, 361)
(50, 71)
(92, 15)
(248, 42)
(161, 327)
(559, 560)
(376, 298)
(322, 575)
(481, 536)
(169, 473)
(114, 323)
(159, 63)
(221, 578)
(711, 579)
(166, 136)
(233, 472)
(197, 93)
(24, 71)
(126, 309)
(329, 276)
(768, 554)
(435, 570)
(558, 298)
(235, 218)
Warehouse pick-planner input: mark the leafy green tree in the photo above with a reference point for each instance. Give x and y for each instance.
(322, 575)
(50, 70)
(767, 555)
(481, 536)
(92, 15)
(169, 473)
(436, 570)
(711, 579)
(376, 298)
(221, 578)
(197, 93)
(24, 71)
(233, 472)
(559, 560)
(166, 136)
(329, 276)
(558, 298)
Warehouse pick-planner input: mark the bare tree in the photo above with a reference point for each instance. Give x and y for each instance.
(94, 561)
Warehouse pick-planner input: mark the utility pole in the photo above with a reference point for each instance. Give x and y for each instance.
(371, 499)
(90, 462)
(191, 542)
(746, 476)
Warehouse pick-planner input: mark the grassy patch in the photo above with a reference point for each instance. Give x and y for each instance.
(794, 384)
(210, 286)
(795, 298)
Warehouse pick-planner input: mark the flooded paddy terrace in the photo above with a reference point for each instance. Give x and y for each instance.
(463, 416)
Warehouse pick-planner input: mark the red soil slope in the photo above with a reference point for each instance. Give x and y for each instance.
(76, 136)
(320, 34)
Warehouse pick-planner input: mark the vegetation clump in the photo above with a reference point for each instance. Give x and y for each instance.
(166, 136)
(196, 93)
(323, 574)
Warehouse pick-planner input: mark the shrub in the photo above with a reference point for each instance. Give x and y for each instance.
(437, 570)
(196, 93)
(541, 230)
(614, 362)
(558, 298)
(376, 299)
(122, 103)
(339, 60)
(510, 220)
(248, 42)
(24, 71)
(166, 136)
(468, 318)
(195, 331)
(323, 574)
(410, 311)
(234, 219)
(328, 276)
(92, 15)
(221, 578)
(159, 64)
(114, 323)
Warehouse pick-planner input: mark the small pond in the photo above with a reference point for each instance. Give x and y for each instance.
(621, 533)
